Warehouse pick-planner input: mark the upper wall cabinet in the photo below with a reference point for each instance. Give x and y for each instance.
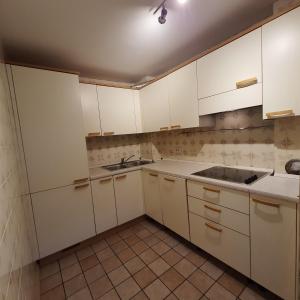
(155, 106)
(52, 127)
(281, 65)
(90, 109)
(182, 87)
(235, 65)
(117, 110)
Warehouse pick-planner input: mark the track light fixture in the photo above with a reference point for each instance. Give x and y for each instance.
(162, 18)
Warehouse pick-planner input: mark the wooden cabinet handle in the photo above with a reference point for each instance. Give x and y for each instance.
(266, 203)
(105, 180)
(91, 134)
(154, 175)
(175, 127)
(247, 82)
(280, 114)
(213, 227)
(213, 209)
(211, 190)
(108, 133)
(171, 180)
(163, 128)
(80, 180)
(121, 177)
(81, 186)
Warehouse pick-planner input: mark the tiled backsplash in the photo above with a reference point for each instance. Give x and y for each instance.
(19, 277)
(239, 138)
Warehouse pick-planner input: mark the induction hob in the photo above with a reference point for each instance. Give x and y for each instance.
(231, 174)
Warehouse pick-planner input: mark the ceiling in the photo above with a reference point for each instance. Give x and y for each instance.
(119, 40)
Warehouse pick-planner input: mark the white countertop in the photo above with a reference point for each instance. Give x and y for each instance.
(281, 186)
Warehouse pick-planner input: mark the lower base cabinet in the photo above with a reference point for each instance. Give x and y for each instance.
(63, 217)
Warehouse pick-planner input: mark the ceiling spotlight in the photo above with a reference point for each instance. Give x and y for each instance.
(182, 1)
(162, 18)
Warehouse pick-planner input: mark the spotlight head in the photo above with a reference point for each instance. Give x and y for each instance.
(162, 18)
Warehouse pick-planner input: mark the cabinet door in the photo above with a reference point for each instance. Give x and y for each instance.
(104, 204)
(273, 245)
(52, 127)
(152, 196)
(90, 109)
(182, 86)
(63, 217)
(281, 65)
(174, 204)
(155, 106)
(129, 196)
(219, 71)
(116, 110)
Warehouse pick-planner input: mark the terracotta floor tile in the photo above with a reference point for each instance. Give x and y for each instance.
(172, 257)
(151, 240)
(171, 297)
(217, 292)
(50, 282)
(83, 294)
(111, 295)
(100, 287)
(128, 289)
(159, 266)
(71, 272)
(161, 248)
(204, 298)
(99, 246)
(126, 254)
(105, 254)
(89, 262)
(148, 256)
(142, 234)
(49, 269)
(113, 239)
(212, 269)
(196, 259)
(157, 290)
(84, 253)
(144, 277)
(182, 249)
(119, 246)
(132, 240)
(111, 264)
(152, 227)
(58, 293)
(185, 268)
(68, 261)
(75, 284)
(139, 247)
(188, 292)
(94, 273)
(162, 234)
(140, 296)
(171, 241)
(201, 281)
(172, 279)
(255, 292)
(125, 233)
(118, 275)
(134, 265)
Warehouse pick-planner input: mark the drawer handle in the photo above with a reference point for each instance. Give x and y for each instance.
(176, 127)
(266, 203)
(81, 180)
(171, 180)
(280, 114)
(81, 186)
(163, 128)
(121, 177)
(105, 180)
(213, 209)
(154, 175)
(91, 134)
(211, 190)
(213, 227)
(247, 82)
(108, 133)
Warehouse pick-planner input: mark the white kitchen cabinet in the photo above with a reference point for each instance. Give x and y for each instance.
(221, 70)
(117, 114)
(273, 245)
(182, 87)
(129, 196)
(152, 196)
(63, 217)
(137, 111)
(104, 204)
(90, 109)
(281, 65)
(174, 204)
(52, 127)
(155, 108)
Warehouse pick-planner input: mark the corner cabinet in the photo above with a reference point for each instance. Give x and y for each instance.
(281, 66)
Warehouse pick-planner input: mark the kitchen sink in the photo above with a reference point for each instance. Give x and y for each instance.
(128, 164)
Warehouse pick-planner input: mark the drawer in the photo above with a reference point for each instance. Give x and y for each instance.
(229, 198)
(225, 244)
(218, 214)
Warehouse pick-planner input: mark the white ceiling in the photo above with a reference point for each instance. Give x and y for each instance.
(119, 40)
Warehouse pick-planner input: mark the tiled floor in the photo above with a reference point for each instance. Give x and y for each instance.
(141, 262)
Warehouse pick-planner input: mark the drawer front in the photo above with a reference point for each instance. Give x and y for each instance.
(218, 214)
(232, 199)
(225, 244)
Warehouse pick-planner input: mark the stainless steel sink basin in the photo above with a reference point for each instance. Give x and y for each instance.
(126, 165)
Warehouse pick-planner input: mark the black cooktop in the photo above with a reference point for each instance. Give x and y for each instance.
(231, 174)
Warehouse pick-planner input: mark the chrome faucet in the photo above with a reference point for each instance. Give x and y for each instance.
(124, 159)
